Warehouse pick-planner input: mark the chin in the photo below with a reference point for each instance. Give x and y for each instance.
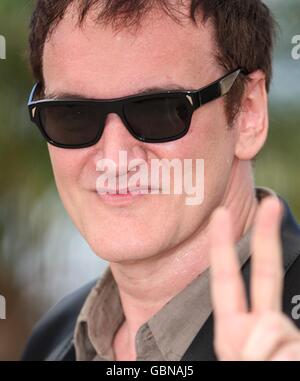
(117, 248)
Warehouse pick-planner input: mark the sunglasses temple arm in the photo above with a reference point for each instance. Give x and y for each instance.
(227, 82)
(217, 89)
(32, 94)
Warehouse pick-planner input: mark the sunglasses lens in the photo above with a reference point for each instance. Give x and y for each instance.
(72, 124)
(159, 119)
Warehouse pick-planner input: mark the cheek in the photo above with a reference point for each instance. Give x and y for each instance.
(208, 132)
(210, 139)
(67, 167)
(66, 163)
(214, 141)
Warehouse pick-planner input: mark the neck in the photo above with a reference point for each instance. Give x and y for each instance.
(146, 286)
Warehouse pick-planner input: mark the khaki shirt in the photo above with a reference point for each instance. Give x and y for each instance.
(165, 336)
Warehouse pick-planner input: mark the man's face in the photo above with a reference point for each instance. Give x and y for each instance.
(95, 62)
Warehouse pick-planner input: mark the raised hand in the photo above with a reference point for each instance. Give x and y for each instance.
(264, 332)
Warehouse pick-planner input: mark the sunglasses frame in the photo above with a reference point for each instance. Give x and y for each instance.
(194, 99)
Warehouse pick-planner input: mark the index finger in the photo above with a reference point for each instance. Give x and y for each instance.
(227, 288)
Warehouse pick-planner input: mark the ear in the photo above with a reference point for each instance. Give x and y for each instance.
(252, 122)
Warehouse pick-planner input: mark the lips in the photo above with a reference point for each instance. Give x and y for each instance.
(122, 197)
(118, 199)
(126, 191)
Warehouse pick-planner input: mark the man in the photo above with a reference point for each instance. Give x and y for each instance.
(113, 77)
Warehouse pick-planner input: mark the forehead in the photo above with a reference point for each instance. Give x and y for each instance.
(96, 61)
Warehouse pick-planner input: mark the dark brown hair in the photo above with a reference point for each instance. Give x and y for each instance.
(244, 30)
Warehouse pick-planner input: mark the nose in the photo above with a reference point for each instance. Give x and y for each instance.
(116, 139)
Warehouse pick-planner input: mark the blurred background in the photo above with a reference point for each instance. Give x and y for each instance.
(42, 256)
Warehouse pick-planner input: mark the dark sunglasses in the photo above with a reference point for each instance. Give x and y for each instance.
(150, 118)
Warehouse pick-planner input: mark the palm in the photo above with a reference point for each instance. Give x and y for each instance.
(236, 331)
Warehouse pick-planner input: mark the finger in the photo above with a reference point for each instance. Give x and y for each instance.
(289, 352)
(266, 262)
(270, 333)
(227, 289)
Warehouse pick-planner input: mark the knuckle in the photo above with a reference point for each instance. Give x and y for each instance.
(290, 355)
(226, 275)
(266, 271)
(287, 355)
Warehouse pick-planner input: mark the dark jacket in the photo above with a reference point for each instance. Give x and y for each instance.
(52, 337)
